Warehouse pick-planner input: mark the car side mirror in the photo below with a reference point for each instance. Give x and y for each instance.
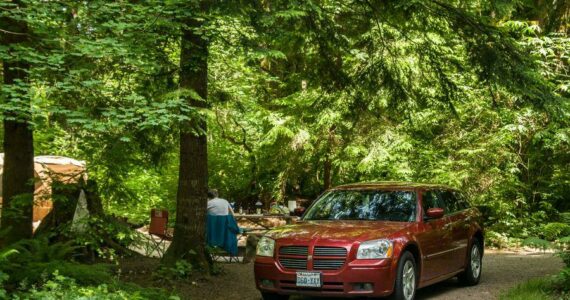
(434, 213)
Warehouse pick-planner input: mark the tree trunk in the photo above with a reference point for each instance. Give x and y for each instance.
(327, 173)
(327, 184)
(94, 203)
(18, 173)
(552, 16)
(189, 241)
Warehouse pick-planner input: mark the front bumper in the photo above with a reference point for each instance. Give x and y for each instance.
(345, 282)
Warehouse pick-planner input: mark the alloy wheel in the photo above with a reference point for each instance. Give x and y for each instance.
(475, 261)
(409, 280)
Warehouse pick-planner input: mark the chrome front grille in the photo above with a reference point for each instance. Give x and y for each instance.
(324, 258)
(294, 250)
(329, 251)
(328, 264)
(294, 263)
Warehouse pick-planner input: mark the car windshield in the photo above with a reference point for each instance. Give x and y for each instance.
(377, 205)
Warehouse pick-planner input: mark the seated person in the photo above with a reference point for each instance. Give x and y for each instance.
(221, 227)
(218, 206)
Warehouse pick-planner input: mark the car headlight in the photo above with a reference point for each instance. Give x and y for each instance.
(265, 247)
(375, 249)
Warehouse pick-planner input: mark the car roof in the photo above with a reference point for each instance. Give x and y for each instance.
(385, 185)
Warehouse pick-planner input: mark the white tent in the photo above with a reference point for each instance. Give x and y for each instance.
(47, 169)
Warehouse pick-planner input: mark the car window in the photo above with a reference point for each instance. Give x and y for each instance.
(397, 206)
(432, 199)
(461, 200)
(450, 201)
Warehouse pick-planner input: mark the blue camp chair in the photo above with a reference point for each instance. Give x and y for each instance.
(221, 234)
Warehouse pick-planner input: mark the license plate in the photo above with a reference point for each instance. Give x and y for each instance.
(309, 279)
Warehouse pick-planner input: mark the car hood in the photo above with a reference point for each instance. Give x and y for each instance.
(349, 231)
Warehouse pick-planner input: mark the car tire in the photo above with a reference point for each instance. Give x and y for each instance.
(474, 265)
(406, 278)
(273, 296)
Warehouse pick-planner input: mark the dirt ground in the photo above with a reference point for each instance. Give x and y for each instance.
(501, 271)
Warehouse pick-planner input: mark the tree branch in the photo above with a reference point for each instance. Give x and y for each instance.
(11, 32)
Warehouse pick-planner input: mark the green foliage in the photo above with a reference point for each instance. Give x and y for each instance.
(4, 254)
(565, 217)
(537, 243)
(553, 231)
(41, 250)
(3, 278)
(40, 270)
(561, 282)
(62, 287)
(372, 123)
(35, 273)
(543, 288)
(181, 270)
(466, 93)
(500, 240)
(539, 289)
(33, 260)
(101, 231)
(145, 189)
(301, 94)
(565, 250)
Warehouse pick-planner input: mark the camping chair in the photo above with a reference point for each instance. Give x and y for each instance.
(218, 254)
(158, 231)
(221, 235)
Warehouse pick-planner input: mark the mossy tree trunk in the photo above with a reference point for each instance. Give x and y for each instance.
(18, 170)
(189, 241)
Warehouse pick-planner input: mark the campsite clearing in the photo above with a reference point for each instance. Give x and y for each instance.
(501, 271)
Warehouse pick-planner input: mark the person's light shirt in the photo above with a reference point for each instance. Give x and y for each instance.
(219, 207)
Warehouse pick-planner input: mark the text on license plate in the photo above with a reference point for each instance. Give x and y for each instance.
(309, 279)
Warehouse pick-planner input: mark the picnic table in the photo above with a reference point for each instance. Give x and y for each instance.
(264, 221)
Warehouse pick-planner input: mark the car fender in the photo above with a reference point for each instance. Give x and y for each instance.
(401, 244)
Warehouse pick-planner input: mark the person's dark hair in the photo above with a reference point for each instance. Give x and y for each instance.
(212, 193)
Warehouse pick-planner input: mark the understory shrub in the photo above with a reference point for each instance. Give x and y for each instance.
(36, 269)
(61, 287)
(32, 261)
(561, 282)
(537, 243)
(41, 250)
(4, 254)
(37, 273)
(565, 255)
(182, 269)
(106, 236)
(564, 276)
(536, 289)
(500, 240)
(553, 231)
(565, 217)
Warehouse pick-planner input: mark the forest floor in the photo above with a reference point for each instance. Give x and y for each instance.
(501, 270)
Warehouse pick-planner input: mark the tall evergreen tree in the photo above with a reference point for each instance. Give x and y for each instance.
(18, 169)
(190, 230)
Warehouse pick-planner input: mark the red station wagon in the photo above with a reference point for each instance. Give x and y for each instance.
(373, 240)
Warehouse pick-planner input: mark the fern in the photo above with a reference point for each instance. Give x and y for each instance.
(537, 243)
(5, 253)
(552, 231)
(40, 250)
(565, 217)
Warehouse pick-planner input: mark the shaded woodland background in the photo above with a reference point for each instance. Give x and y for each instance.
(278, 100)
